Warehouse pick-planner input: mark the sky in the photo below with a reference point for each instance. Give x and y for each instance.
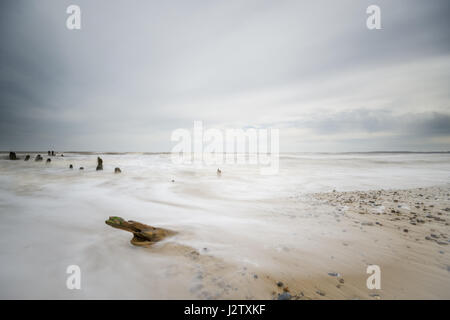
(138, 70)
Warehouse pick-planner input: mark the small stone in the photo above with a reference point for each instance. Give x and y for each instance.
(279, 284)
(284, 296)
(320, 293)
(117, 170)
(81, 168)
(333, 274)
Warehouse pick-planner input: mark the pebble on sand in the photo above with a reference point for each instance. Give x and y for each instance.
(320, 293)
(284, 296)
(333, 274)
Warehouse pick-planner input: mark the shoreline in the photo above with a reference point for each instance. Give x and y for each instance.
(231, 243)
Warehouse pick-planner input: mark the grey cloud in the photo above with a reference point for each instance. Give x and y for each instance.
(374, 121)
(118, 76)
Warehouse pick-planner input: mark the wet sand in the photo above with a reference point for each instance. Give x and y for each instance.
(405, 232)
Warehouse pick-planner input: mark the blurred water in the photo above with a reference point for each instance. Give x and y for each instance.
(52, 216)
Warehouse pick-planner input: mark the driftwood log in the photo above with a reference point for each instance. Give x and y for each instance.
(143, 235)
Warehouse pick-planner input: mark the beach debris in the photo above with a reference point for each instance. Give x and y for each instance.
(320, 293)
(99, 164)
(27, 157)
(49, 160)
(143, 235)
(12, 156)
(38, 158)
(334, 274)
(70, 166)
(117, 170)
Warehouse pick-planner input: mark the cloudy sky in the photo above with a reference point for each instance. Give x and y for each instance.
(137, 70)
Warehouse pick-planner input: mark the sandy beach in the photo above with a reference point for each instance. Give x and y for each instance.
(405, 232)
(302, 234)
